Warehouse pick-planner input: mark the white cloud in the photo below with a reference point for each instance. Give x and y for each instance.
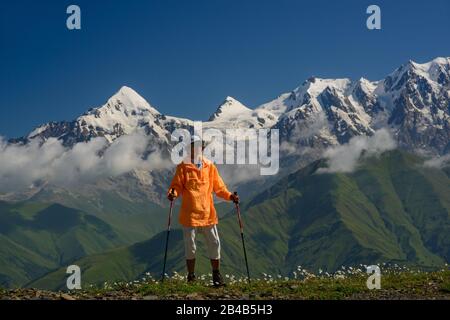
(344, 158)
(21, 166)
(438, 162)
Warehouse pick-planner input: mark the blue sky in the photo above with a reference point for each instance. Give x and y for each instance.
(185, 57)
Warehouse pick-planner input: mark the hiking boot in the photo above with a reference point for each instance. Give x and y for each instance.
(217, 279)
(191, 277)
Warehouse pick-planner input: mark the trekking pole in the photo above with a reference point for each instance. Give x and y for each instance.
(167, 237)
(242, 236)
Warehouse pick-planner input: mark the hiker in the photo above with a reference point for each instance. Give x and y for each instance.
(195, 180)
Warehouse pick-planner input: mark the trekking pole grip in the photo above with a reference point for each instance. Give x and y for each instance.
(172, 192)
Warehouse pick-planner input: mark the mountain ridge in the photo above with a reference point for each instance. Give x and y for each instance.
(348, 106)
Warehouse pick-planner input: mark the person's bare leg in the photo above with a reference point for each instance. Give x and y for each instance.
(215, 264)
(190, 264)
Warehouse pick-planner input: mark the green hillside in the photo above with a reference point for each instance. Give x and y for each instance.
(133, 221)
(391, 209)
(37, 238)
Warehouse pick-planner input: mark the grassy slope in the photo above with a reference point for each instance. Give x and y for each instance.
(19, 264)
(133, 221)
(413, 205)
(37, 238)
(390, 209)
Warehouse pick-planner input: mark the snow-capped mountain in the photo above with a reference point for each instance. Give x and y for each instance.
(418, 98)
(123, 113)
(233, 114)
(413, 101)
(325, 110)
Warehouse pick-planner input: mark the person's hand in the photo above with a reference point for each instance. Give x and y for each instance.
(172, 195)
(234, 197)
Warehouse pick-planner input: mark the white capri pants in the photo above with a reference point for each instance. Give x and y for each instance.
(212, 241)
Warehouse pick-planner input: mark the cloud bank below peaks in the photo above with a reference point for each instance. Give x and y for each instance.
(344, 158)
(24, 165)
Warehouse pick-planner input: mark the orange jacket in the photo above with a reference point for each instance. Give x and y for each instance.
(195, 186)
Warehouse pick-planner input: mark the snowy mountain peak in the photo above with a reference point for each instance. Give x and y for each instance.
(123, 113)
(430, 66)
(441, 60)
(427, 65)
(124, 90)
(130, 100)
(365, 85)
(315, 86)
(433, 70)
(230, 109)
(233, 114)
(432, 74)
(230, 100)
